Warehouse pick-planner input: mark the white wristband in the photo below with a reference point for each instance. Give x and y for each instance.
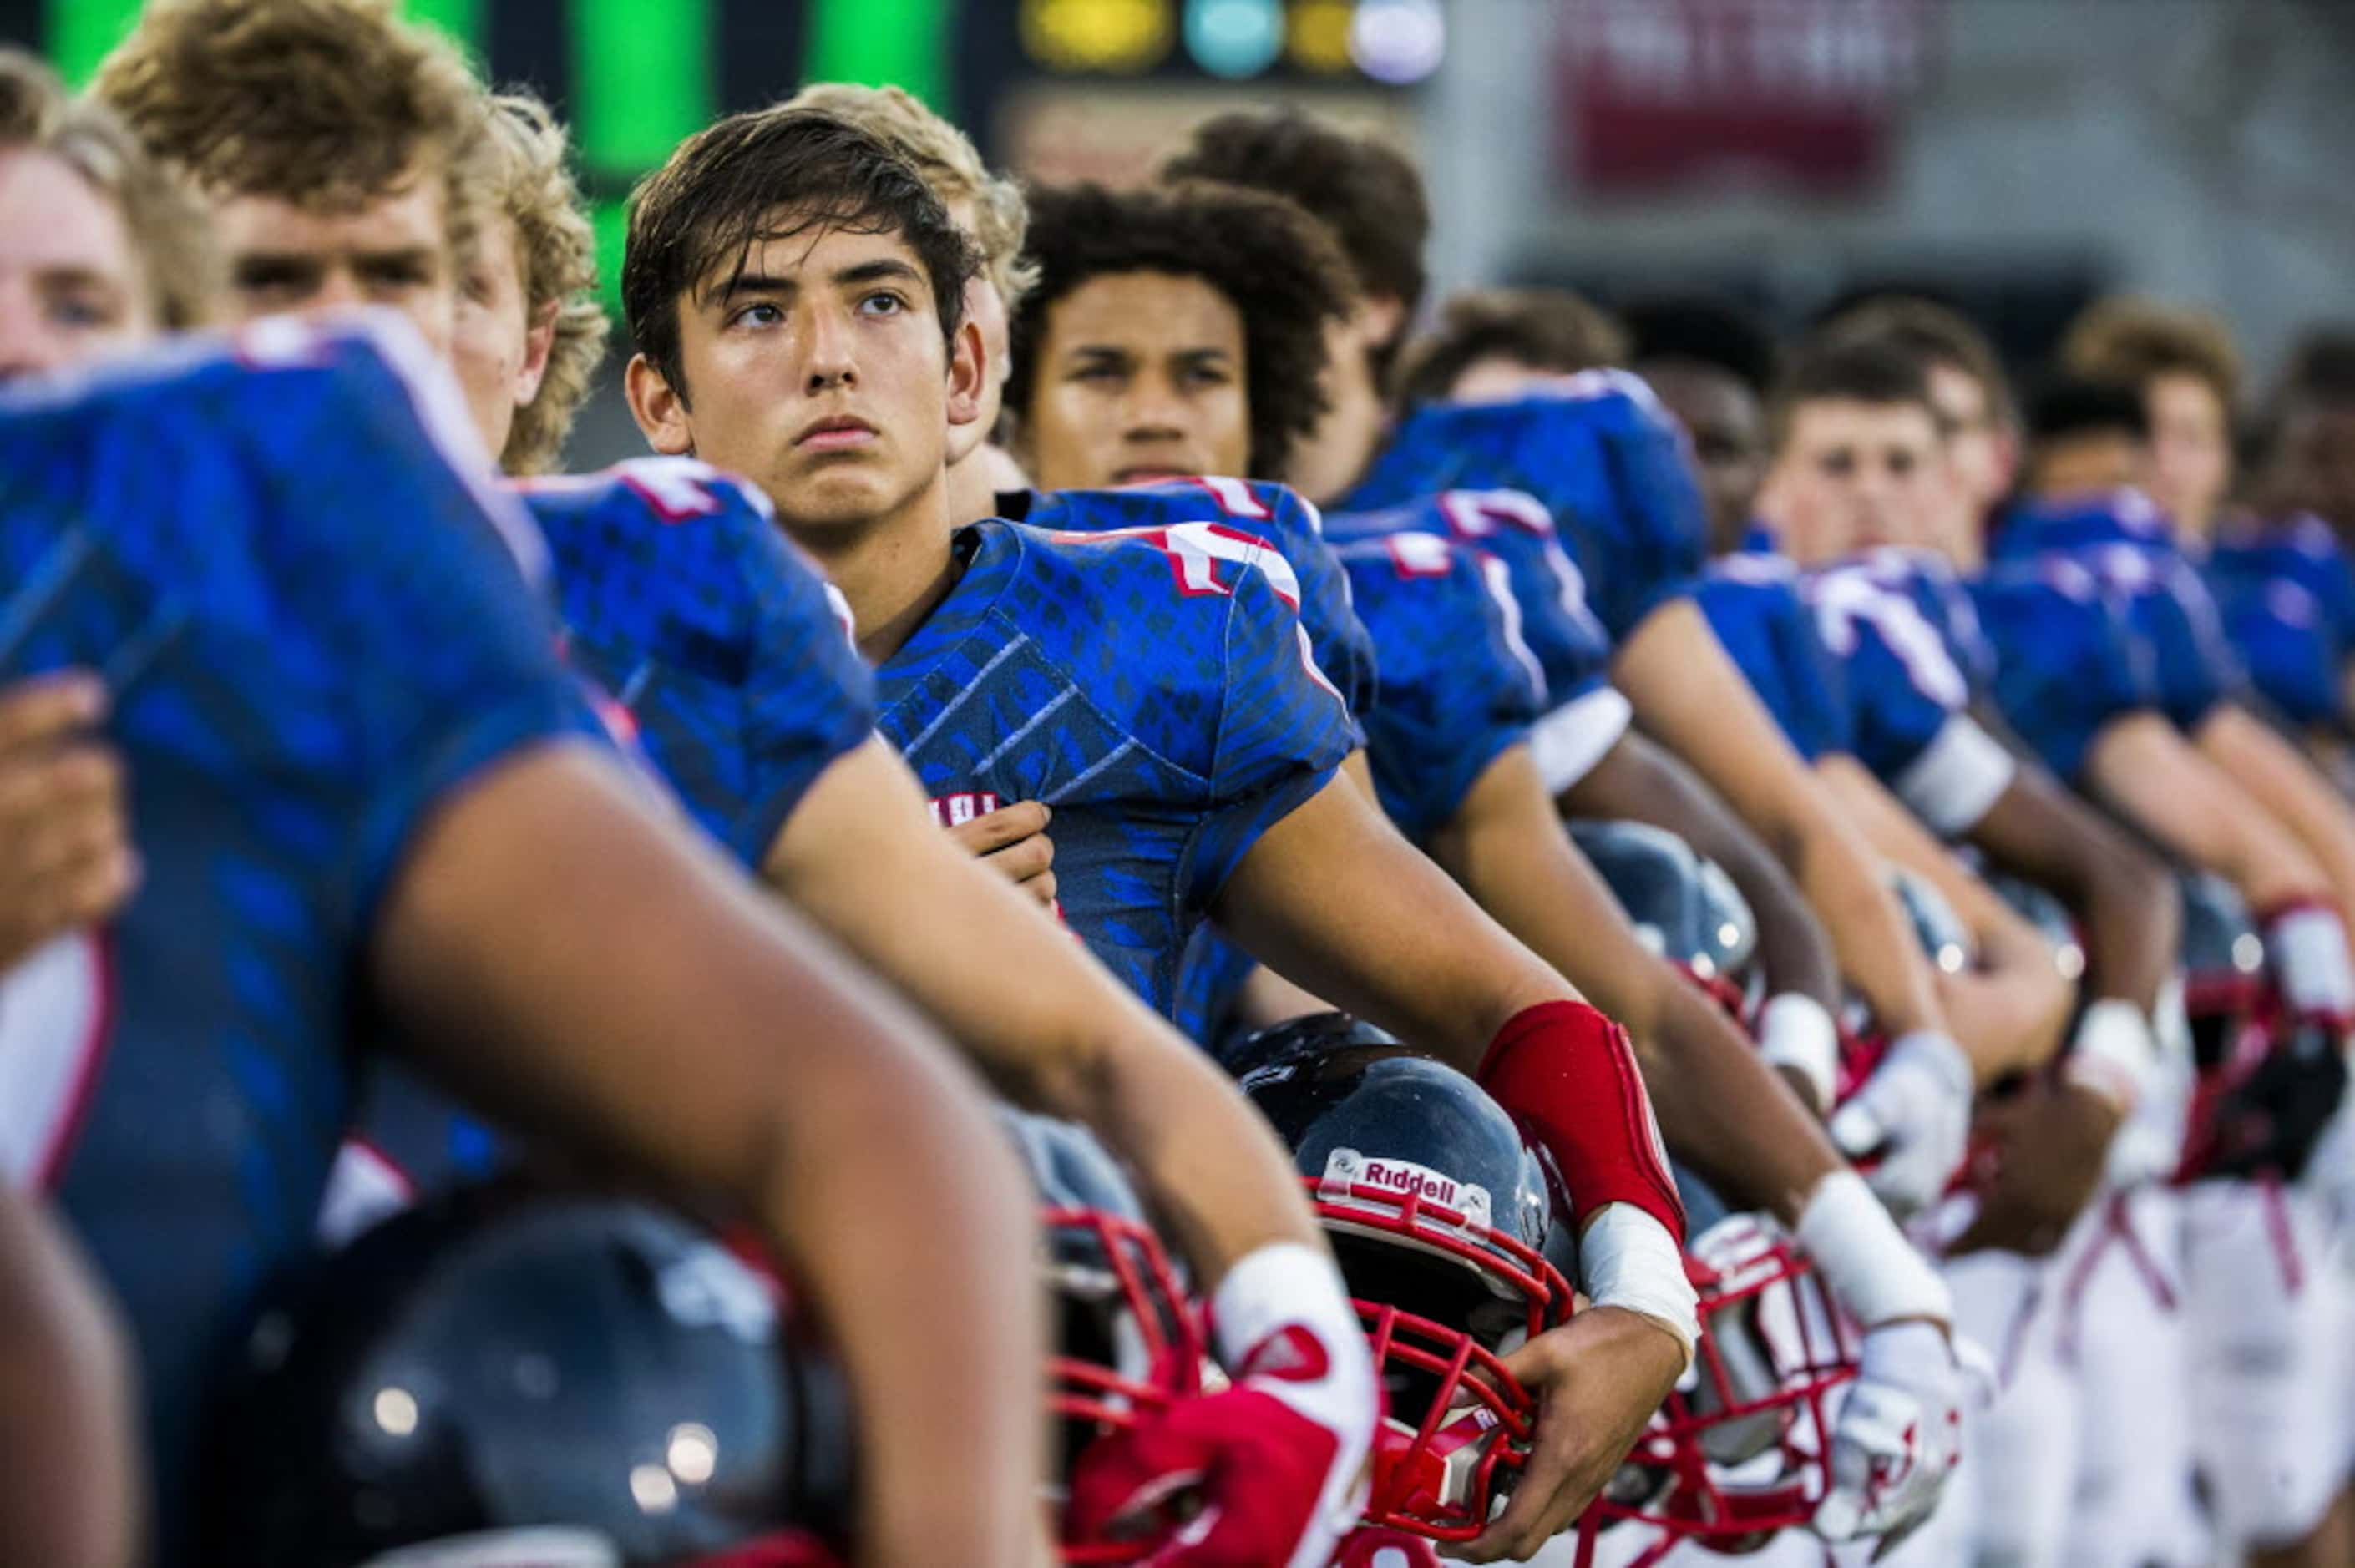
(1795, 1032)
(2308, 949)
(1281, 1283)
(2115, 1052)
(1864, 1259)
(1627, 1259)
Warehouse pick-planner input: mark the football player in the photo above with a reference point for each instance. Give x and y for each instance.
(1637, 548)
(2183, 364)
(681, 598)
(441, 949)
(1146, 346)
(786, 328)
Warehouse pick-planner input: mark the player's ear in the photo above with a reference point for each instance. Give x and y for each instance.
(660, 411)
(538, 342)
(968, 364)
(1380, 317)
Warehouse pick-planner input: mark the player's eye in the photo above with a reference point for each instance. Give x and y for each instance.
(759, 314)
(1098, 370)
(87, 308)
(1205, 375)
(276, 281)
(1839, 464)
(393, 273)
(882, 303)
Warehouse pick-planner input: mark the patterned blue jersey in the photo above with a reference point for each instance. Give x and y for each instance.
(1584, 717)
(313, 633)
(1901, 687)
(682, 597)
(2288, 597)
(2121, 538)
(2068, 660)
(1942, 599)
(1459, 686)
(1277, 512)
(1155, 688)
(1602, 454)
(1752, 602)
(732, 656)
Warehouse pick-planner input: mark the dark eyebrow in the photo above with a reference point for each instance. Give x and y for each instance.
(1200, 356)
(750, 283)
(876, 272)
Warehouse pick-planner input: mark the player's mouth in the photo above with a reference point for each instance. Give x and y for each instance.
(837, 433)
(1151, 473)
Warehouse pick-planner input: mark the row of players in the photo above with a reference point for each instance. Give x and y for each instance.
(1161, 325)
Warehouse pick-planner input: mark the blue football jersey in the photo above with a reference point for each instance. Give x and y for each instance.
(1583, 716)
(1901, 687)
(1155, 688)
(1754, 605)
(315, 630)
(731, 657)
(2121, 538)
(1942, 599)
(1459, 687)
(731, 653)
(2068, 660)
(1277, 512)
(2286, 595)
(1602, 454)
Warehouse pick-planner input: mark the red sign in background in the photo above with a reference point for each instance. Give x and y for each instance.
(1661, 95)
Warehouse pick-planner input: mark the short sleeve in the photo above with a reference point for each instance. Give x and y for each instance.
(1901, 684)
(1661, 531)
(1764, 630)
(2066, 666)
(1458, 686)
(809, 698)
(1282, 729)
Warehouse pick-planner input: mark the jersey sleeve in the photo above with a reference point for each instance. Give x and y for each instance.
(1764, 630)
(1344, 648)
(403, 567)
(1459, 687)
(809, 698)
(1640, 515)
(2287, 647)
(2197, 666)
(2066, 665)
(1281, 731)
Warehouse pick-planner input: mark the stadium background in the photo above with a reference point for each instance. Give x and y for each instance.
(2016, 156)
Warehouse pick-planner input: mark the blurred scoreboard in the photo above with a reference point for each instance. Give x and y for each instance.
(1055, 88)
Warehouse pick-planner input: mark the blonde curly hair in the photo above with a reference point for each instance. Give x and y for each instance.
(555, 249)
(951, 164)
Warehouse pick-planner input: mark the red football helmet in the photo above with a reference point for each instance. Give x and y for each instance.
(1741, 1450)
(1127, 1337)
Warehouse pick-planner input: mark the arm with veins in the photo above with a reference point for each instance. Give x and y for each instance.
(1688, 695)
(2010, 1008)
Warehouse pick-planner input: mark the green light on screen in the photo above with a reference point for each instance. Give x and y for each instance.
(641, 79)
(461, 19)
(879, 43)
(81, 32)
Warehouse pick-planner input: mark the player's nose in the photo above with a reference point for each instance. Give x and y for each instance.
(830, 357)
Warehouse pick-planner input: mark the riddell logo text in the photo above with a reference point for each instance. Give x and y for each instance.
(954, 811)
(1412, 1179)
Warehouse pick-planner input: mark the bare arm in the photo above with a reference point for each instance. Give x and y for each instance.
(1640, 781)
(1334, 898)
(1044, 1020)
(73, 1496)
(2121, 895)
(601, 978)
(2272, 772)
(1688, 693)
(2147, 772)
(2009, 1009)
(1721, 1109)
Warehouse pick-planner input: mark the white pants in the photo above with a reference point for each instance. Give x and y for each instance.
(2267, 1323)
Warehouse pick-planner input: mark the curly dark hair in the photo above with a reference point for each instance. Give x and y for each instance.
(1545, 329)
(1276, 263)
(767, 174)
(1369, 192)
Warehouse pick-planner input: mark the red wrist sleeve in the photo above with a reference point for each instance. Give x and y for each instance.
(1568, 1075)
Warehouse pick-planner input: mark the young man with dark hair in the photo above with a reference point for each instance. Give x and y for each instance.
(1603, 459)
(1714, 364)
(420, 910)
(1189, 772)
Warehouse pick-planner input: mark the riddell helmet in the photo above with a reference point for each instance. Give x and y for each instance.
(1683, 905)
(2224, 987)
(1126, 1338)
(2050, 918)
(506, 1377)
(1739, 1451)
(1440, 1217)
(1936, 927)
